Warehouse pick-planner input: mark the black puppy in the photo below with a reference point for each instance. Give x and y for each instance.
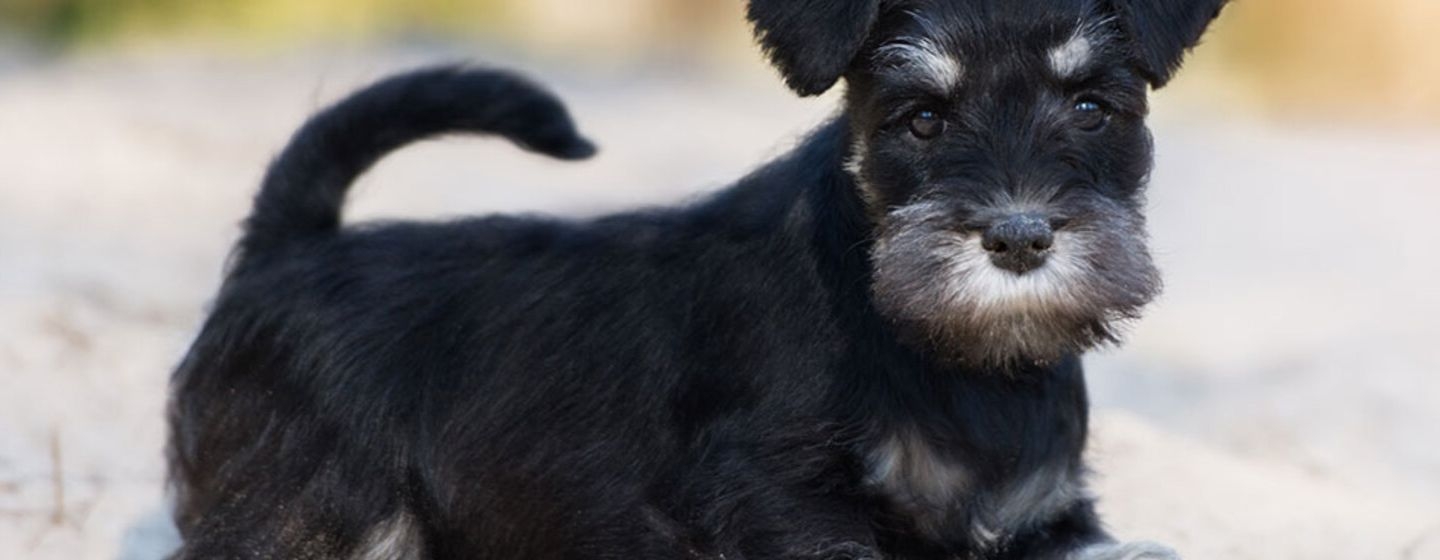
(866, 349)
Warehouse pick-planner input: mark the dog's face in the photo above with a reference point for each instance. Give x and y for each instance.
(1001, 151)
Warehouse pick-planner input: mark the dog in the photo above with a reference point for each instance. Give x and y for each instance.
(867, 348)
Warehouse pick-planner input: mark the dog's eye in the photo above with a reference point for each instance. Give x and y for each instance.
(1091, 115)
(926, 125)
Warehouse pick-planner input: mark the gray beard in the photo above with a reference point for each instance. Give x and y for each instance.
(938, 287)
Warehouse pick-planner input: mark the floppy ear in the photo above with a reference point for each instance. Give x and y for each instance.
(812, 42)
(1163, 30)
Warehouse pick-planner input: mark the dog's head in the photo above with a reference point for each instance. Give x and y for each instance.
(1001, 150)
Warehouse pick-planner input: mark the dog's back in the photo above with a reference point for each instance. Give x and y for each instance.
(472, 385)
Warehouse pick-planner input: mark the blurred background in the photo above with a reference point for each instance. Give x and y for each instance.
(1281, 400)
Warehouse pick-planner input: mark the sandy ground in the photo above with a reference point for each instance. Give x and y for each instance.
(1279, 402)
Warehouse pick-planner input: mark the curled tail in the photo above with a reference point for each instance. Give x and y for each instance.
(305, 187)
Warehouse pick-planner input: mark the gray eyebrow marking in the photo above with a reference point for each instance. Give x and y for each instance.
(1071, 56)
(923, 56)
(1068, 59)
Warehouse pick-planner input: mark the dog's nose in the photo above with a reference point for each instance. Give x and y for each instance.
(1019, 243)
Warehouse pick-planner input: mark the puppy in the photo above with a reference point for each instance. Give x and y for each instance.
(868, 348)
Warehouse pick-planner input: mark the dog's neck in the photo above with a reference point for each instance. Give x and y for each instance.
(940, 437)
(972, 456)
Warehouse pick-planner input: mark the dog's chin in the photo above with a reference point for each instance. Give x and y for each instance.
(998, 330)
(1005, 340)
(943, 295)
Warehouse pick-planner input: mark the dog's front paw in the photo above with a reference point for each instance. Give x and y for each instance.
(843, 551)
(1126, 551)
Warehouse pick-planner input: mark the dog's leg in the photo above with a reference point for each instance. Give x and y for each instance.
(319, 513)
(1140, 550)
(759, 503)
(1077, 535)
(781, 525)
(395, 538)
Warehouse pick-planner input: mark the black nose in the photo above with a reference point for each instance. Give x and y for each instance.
(1019, 243)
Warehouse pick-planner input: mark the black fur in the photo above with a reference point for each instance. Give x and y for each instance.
(1163, 31)
(764, 374)
(812, 42)
(305, 187)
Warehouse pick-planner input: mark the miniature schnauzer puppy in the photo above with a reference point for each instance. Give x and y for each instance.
(868, 348)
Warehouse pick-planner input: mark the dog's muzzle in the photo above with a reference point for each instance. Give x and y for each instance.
(1007, 286)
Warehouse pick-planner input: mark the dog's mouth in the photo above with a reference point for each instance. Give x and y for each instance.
(964, 299)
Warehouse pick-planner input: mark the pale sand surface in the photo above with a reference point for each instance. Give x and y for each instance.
(1279, 402)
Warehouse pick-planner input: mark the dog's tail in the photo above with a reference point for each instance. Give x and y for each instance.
(305, 186)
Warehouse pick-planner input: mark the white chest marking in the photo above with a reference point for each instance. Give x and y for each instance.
(397, 538)
(928, 487)
(916, 479)
(1027, 503)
